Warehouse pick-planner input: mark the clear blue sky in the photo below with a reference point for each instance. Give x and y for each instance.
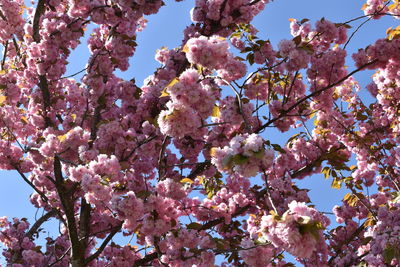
(165, 29)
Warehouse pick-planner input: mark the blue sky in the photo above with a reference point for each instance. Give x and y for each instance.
(165, 29)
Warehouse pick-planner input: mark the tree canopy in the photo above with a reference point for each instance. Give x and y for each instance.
(184, 164)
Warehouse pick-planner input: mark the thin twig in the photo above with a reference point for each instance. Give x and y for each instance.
(40, 8)
(72, 75)
(161, 165)
(60, 258)
(315, 93)
(355, 31)
(4, 55)
(103, 245)
(363, 23)
(138, 146)
(41, 194)
(269, 194)
(240, 104)
(39, 222)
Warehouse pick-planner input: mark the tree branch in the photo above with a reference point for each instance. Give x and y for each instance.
(103, 245)
(138, 146)
(4, 55)
(161, 164)
(78, 252)
(43, 85)
(199, 169)
(36, 20)
(60, 258)
(148, 258)
(96, 120)
(41, 194)
(84, 221)
(315, 93)
(39, 222)
(338, 249)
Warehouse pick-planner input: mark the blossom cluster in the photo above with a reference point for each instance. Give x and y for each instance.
(168, 162)
(238, 11)
(212, 53)
(298, 230)
(246, 155)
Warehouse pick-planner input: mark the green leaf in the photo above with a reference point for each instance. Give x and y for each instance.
(388, 254)
(250, 58)
(278, 148)
(297, 39)
(102, 100)
(173, 223)
(360, 195)
(370, 222)
(171, 84)
(338, 25)
(304, 21)
(396, 197)
(114, 61)
(227, 162)
(336, 183)
(194, 226)
(137, 93)
(261, 42)
(312, 227)
(240, 58)
(293, 137)
(24, 120)
(389, 146)
(358, 186)
(239, 159)
(327, 172)
(361, 117)
(367, 240)
(247, 49)
(143, 194)
(347, 197)
(124, 165)
(308, 48)
(216, 113)
(219, 243)
(187, 180)
(259, 154)
(351, 200)
(236, 34)
(2, 99)
(37, 249)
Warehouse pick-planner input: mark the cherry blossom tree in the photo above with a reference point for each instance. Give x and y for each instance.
(186, 171)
